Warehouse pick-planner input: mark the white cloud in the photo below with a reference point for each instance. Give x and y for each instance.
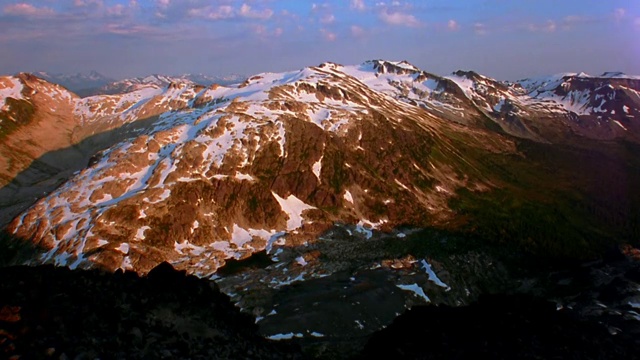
(248, 12)
(399, 19)
(328, 35)
(453, 25)
(619, 14)
(480, 29)
(549, 26)
(116, 10)
(24, 9)
(358, 5)
(570, 21)
(219, 13)
(124, 29)
(357, 31)
(82, 3)
(328, 19)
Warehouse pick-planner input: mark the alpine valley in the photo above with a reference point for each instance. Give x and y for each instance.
(328, 200)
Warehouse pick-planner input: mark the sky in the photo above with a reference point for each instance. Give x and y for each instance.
(504, 39)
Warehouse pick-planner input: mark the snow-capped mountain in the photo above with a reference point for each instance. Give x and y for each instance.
(160, 81)
(282, 157)
(77, 82)
(559, 107)
(268, 157)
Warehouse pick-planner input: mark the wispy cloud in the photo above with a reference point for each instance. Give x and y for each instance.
(396, 18)
(28, 10)
(357, 31)
(328, 19)
(247, 12)
(328, 35)
(480, 29)
(128, 29)
(212, 12)
(453, 25)
(358, 5)
(548, 26)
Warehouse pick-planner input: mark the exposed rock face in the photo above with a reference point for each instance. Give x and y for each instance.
(48, 312)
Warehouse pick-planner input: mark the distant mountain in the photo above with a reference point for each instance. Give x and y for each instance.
(156, 80)
(78, 82)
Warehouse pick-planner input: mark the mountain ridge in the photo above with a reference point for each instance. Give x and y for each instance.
(231, 137)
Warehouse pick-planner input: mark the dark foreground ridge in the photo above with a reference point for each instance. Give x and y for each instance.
(48, 312)
(497, 327)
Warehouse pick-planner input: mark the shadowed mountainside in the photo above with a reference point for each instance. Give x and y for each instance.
(48, 312)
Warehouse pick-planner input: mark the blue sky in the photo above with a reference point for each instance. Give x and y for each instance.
(505, 39)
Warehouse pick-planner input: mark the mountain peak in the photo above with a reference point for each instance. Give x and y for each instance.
(394, 67)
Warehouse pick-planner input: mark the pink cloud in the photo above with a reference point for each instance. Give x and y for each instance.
(549, 26)
(358, 5)
(246, 11)
(399, 19)
(328, 35)
(453, 25)
(24, 9)
(82, 3)
(328, 19)
(357, 31)
(480, 29)
(124, 29)
(219, 13)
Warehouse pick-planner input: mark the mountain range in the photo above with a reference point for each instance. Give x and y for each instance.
(94, 83)
(379, 183)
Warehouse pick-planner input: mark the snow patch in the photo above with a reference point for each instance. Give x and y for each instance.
(294, 208)
(317, 168)
(140, 232)
(417, 290)
(14, 90)
(301, 261)
(619, 124)
(432, 275)
(347, 196)
(123, 248)
(287, 336)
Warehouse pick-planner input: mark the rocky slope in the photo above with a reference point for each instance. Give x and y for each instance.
(47, 133)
